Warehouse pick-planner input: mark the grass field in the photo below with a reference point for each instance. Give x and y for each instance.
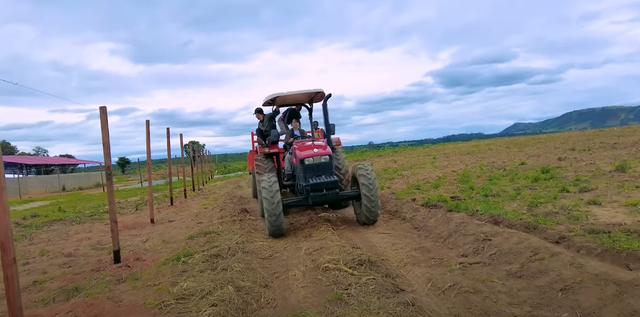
(492, 227)
(586, 183)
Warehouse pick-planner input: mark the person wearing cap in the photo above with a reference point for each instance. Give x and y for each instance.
(266, 123)
(285, 120)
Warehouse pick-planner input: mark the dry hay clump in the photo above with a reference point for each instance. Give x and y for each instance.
(215, 275)
(363, 284)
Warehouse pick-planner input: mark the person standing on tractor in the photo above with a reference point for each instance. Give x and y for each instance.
(287, 118)
(266, 123)
(292, 134)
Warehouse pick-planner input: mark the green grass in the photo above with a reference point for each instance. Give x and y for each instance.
(617, 240)
(92, 286)
(76, 208)
(179, 256)
(495, 191)
(200, 233)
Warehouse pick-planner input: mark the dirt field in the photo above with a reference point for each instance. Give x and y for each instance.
(532, 226)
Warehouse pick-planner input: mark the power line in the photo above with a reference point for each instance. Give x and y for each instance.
(40, 91)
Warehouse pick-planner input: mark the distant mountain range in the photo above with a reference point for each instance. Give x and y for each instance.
(591, 118)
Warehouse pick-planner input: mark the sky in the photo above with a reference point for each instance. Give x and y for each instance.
(397, 70)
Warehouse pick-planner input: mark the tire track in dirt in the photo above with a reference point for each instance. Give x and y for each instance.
(458, 266)
(393, 241)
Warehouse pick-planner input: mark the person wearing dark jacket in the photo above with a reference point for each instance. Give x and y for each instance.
(287, 118)
(292, 134)
(266, 123)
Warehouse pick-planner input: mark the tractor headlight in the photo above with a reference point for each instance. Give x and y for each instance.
(308, 160)
(324, 158)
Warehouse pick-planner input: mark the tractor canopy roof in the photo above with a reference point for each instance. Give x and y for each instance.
(292, 98)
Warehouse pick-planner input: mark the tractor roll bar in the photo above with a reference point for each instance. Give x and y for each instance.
(325, 114)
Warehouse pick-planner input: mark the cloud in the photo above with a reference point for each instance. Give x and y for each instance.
(397, 70)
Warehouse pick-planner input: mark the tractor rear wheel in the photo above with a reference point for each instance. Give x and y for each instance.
(263, 164)
(272, 205)
(341, 171)
(254, 186)
(367, 208)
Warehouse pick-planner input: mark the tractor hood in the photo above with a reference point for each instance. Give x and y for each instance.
(303, 149)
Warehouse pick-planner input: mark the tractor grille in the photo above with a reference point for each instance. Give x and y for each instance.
(316, 177)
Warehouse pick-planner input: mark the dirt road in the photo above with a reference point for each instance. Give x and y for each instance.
(210, 256)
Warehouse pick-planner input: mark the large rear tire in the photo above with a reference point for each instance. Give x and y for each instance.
(272, 205)
(341, 171)
(367, 208)
(262, 165)
(254, 186)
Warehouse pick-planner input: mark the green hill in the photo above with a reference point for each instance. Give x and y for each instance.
(592, 118)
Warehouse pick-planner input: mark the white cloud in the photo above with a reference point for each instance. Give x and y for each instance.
(366, 55)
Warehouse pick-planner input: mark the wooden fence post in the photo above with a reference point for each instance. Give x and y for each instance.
(8, 252)
(169, 166)
(140, 172)
(101, 169)
(211, 165)
(192, 163)
(150, 189)
(174, 163)
(19, 187)
(113, 217)
(196, 166)
(208, 162)
(184, 175)
(201, 159)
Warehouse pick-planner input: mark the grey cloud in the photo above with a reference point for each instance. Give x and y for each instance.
(544, 80)
(490, 57)
(589, 16)
(125, 111)
(70, 110)
(25, 126)
(485, 76)
(84, 86)
(178, 118)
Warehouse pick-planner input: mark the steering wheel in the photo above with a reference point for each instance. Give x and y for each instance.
(302, 137)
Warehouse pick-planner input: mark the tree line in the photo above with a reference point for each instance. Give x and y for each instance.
(123, 163)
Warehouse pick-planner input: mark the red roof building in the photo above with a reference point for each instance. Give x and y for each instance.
(44, 160)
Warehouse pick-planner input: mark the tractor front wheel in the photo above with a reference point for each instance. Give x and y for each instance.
(259, 194)
(271, 202)
(254, 186)
(341, 171)
(367, 208)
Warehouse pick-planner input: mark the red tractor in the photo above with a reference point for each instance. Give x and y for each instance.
(321, 173)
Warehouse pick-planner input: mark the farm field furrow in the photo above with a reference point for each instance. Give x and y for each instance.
(531, 226)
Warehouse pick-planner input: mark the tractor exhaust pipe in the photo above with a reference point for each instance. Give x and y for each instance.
(325, 115)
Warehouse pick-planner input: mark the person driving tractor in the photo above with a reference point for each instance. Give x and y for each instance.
(317, 131)
(287, 118)
(293, 134)
(266, 123)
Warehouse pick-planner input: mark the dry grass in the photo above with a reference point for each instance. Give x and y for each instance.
(228, 269)
(216, 275)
